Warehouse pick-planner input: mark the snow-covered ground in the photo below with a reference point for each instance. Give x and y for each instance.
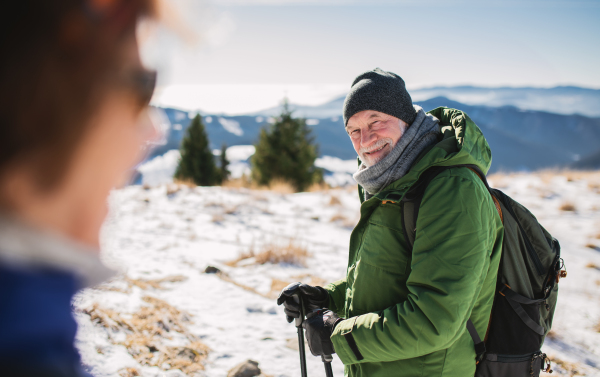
(178, 231)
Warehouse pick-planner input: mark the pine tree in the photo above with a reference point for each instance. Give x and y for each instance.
(197, 162)
(224, 173)
(286, 151)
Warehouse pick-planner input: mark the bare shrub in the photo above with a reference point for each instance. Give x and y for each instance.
(591, 265)
(568, 207)
(592, 246)
(148, 332)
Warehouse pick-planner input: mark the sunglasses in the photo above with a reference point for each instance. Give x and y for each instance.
(142, 82)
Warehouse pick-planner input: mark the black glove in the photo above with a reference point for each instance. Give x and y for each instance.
(319, 326)
(313, 297)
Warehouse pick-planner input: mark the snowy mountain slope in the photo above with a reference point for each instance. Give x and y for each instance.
(178, 231)
(566, 100)
(520, 140)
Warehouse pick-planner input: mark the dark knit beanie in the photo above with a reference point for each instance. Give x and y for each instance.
(380, 91)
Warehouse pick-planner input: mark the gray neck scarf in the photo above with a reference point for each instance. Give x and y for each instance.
(422, 133)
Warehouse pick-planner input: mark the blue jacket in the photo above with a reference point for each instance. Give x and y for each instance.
(37, 328)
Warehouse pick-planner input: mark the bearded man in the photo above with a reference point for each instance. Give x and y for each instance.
(409, 295)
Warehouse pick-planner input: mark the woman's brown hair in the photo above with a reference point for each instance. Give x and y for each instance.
(59, 59)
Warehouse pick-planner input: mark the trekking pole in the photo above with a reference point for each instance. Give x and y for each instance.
(327, 359)
(301, 336)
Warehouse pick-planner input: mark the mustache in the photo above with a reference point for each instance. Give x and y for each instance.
(378, 144)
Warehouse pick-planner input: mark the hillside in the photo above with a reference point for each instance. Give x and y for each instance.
(520, 139)
(162, 240)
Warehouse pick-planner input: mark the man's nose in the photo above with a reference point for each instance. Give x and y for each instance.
(366, 136)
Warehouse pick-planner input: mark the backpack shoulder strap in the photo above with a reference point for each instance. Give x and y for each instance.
(410, 212)
(412, 200)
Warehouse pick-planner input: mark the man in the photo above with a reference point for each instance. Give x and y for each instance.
(402, 310)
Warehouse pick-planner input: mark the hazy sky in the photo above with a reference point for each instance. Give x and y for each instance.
(253, 52)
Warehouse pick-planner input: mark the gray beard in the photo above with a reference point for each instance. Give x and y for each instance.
(422, 133)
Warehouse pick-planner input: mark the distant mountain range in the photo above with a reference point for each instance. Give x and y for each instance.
(520, 139)
(566, 100)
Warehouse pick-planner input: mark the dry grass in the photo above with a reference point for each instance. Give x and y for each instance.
(172, 189)
(319, 187)
(223, 276)
(338, 217)
(592, 246)
(591, 265)
(130, 372)
(184, 182)
(310, 279)
(275, 253)
(572, 369)
(598, 236)
(217, 218)
(243, 256)
(278, 185)
(277, 285)
(568, 207)
(231, 210)
(291, 253)
(343, 220)
(154, 283)
(281, 187)
(334, 201)
(147, 333)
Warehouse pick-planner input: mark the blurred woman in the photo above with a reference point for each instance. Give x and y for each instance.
(73, 122)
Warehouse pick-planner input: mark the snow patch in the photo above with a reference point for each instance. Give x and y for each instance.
(231, 126)
(160, 169)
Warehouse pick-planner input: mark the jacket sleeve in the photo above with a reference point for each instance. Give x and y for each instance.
(456, 230)
(337, 296)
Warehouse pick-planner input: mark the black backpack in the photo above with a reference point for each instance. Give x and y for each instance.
(530, 268)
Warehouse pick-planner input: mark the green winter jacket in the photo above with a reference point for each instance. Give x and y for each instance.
(406, 312)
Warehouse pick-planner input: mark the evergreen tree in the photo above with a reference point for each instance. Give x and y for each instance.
(286, 151)
(224, 173)
(197, 162)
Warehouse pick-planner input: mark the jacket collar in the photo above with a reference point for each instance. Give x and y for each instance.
(24, 246)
